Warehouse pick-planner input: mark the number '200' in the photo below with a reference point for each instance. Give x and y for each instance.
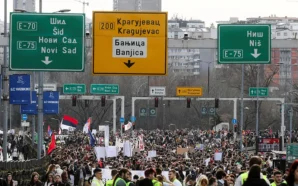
(107, 26)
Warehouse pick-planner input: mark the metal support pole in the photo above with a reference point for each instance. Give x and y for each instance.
(242, 87)
(40, 106)
(147, 109)
(10, 118)
(291, 123)
(33, 116)
(122, 109)
(114, 116)
(208, 83)
(235, 116)
(282, 127)
(164, 116)
(257, 112)
(5, 87)
(40, 115)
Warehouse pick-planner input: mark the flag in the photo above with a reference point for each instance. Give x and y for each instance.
(92, 140)
(49, 130)
(69, 123)
(127, 126)
(52, 144)
(87, 126)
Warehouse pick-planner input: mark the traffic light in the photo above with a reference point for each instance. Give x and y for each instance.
(86, 103)
(188, 100)
(103, 101)
(74, 101)
(236, 128)
(156, 102)
(123, 128)
(216, 105)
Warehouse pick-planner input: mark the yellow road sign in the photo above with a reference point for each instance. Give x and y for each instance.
(189, 91)
(130, 43)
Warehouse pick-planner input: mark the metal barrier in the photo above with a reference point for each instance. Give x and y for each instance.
(24, 165)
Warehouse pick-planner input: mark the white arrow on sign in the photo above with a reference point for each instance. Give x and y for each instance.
(46, 60)
(255, 54)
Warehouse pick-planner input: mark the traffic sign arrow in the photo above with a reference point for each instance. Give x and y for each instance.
(46, 60)
(129, 63)
(255, 54)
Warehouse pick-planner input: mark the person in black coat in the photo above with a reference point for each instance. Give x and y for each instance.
(254, 177)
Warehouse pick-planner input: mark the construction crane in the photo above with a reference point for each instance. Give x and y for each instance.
(84, 3)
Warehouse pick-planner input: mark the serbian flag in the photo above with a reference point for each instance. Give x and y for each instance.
(49, 130)
(69, 123)
(92, 140)
(52, 144)
(87, 126)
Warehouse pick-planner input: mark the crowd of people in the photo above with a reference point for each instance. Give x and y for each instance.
(75, 163)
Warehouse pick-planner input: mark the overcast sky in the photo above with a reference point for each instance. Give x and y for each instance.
(207, 10)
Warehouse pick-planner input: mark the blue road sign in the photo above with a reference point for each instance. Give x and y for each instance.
(19, 89)
(24, 117)
(133, 118)
(204, 110)
(211, 110)
(51, 102)
(30, 109)
(122, 120)
(234, 121)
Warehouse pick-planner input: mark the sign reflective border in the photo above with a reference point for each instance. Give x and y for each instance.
(130, 43)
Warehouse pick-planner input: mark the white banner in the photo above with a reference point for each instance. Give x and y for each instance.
(106, 174)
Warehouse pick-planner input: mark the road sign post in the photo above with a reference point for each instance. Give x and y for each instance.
(189, 91)
(24, 117)
(130, 43)
(51, 102)
(258, 91)
(292, 152)
(47, 42)
(74, 89)
(211, 111)
(157, 91)
(244, 44)
(47, 87)
(204, 110)
(19, 89)
(143, 112)
(152, 112)
(104, 89)
(31, 108)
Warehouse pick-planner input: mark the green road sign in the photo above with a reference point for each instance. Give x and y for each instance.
(104, 89)
(74, 89)
(258, 91)
(152, 112)
(244, 44)
(292, 152)
(143, 112)
(47, 42)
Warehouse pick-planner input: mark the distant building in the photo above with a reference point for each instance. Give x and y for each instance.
(28, 5)
(189, 61)
(137, 5)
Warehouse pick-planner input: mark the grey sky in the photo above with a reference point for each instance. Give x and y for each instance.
(207, 10)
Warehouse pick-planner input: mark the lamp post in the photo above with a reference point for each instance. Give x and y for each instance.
(290, 111)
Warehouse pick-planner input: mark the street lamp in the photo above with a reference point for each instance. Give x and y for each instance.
(62, 11)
